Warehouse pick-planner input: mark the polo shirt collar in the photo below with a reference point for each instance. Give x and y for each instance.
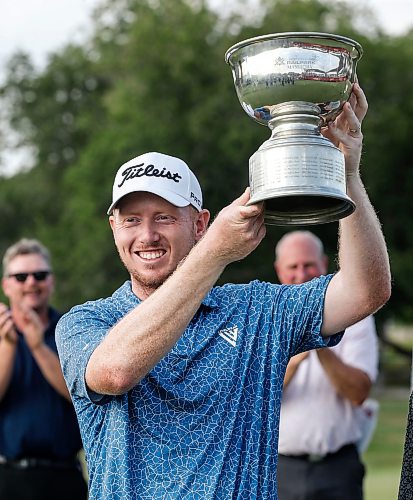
(126, 294)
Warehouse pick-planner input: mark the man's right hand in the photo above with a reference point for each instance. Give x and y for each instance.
(236, 231)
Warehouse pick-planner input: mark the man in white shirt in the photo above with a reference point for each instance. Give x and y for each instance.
(321, 414)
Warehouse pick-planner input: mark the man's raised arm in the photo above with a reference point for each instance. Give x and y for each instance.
(363, 283)
(144, 336)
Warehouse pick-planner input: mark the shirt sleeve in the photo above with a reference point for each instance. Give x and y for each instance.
(299, 316)
(78, 333)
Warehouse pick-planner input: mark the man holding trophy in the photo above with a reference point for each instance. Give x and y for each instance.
(176, 382)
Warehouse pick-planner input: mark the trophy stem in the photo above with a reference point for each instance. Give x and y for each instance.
(295, 118)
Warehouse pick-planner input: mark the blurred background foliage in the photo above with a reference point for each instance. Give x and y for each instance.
(152, 76)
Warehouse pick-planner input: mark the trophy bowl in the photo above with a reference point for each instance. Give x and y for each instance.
(295, 83)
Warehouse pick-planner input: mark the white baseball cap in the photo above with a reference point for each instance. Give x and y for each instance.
(160, 174)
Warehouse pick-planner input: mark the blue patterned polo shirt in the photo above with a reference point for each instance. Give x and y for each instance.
(203, 423)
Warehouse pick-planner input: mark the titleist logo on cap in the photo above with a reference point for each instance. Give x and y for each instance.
(141, 170)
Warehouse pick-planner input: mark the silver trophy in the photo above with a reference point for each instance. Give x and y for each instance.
(295, 83)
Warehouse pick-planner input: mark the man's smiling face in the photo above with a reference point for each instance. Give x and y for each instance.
(153, 236)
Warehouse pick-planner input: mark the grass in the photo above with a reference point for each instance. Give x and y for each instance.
(384, 456)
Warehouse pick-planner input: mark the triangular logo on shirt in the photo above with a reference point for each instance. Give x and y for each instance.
(230, 335)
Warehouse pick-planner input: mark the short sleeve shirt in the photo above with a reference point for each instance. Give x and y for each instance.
(203, 423)
(334, 421)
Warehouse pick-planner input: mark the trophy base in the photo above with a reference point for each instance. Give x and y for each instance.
(301, 179)
(298, 210)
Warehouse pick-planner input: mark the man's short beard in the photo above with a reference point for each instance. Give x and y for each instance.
(149, 284)
(152, 283)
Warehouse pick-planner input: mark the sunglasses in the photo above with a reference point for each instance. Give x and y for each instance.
(37, 275)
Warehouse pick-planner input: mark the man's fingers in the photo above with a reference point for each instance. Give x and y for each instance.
(243, 199)
(6, 324)
(247, 211)
(5, 316)
(358, 102)
(255, 213)
(262, 230)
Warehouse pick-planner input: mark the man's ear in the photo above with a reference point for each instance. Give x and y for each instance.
(112, 221)
(201, 223)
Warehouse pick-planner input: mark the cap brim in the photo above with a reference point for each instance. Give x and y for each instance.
(173, 198)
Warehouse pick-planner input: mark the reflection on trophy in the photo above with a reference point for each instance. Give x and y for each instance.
(295, 83)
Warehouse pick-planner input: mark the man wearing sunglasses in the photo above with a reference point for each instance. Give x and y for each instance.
(39, 435)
